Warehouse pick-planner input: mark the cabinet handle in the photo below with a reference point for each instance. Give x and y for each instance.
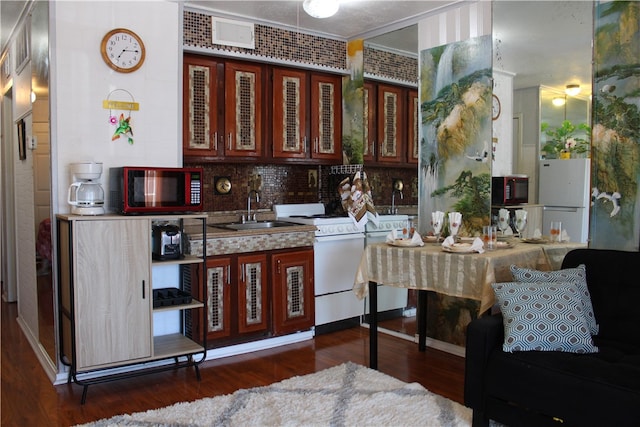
(215, 141)
(242, 273)
(143, 290)
(228, 274)
(373, 148)
(279, 261)
(304, 144)
(315, 144)
(230, 141)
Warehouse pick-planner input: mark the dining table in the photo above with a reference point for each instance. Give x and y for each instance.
(459, 274)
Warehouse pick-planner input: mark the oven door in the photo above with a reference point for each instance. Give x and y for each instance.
(336, 260)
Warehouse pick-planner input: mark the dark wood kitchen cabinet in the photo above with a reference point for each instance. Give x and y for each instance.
(243, 109)
(258, 295)
(390, 124)
(293, 296)
(326, 117)
(222, 109)
(413, 132)
(297, 96)
(238, 305)
(290, 113)
(202, 134)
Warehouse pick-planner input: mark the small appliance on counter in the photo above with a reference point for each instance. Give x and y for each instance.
(509, 190)
(138, 190)
(166, 241)
(86, 195)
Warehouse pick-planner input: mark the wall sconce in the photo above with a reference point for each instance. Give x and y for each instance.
(572, 90)
(321, 8)
(558, 101)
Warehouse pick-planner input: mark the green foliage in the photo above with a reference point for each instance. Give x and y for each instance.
(563, 138)
(473, 194)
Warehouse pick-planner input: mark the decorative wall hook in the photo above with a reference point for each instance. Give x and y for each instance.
(123, 124)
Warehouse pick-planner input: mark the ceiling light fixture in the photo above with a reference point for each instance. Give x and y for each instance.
(321, 8)
(572, 90)
(558, 101)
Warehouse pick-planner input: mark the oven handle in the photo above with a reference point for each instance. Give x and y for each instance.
(320, 239)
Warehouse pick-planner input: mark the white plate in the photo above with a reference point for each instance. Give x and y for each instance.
(534, 240)
(462, 248)
(503, 245)
(404, 243)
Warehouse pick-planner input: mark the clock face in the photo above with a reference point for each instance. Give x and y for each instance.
(223, 185)
(122, 50)
(495, 108)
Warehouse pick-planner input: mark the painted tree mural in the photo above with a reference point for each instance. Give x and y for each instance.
(455, 152)
(615, 157)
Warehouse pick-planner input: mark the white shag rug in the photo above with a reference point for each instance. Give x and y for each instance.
(345, 395)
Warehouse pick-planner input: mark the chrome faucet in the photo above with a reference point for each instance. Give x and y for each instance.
(249, 218)
(393, 209)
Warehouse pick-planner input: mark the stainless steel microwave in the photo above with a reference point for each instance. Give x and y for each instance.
(141, 189)
(509, 190)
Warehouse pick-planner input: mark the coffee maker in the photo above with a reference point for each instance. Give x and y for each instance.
(86, 195)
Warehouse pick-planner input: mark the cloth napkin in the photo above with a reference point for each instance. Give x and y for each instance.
(437, 221)
(416, 239)
(537, 234)
(564, 237)
(477, 245)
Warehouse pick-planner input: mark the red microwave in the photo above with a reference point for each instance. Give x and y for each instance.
(140, 190)
(509, 190)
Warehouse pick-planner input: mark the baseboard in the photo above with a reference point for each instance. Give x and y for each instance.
(430, 342)
(265, 344)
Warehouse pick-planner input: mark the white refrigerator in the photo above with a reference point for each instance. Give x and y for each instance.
(564, 191)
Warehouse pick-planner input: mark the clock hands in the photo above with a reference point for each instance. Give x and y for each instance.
(127, 50)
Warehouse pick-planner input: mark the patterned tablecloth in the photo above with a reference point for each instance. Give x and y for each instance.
(455, 274)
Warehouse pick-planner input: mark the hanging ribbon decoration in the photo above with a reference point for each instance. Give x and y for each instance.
(123, 125)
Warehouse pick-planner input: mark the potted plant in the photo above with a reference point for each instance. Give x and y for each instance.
(562, 142)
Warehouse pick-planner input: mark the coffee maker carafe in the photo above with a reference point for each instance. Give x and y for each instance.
(86, 195)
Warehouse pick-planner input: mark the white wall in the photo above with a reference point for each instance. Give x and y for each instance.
(503, 125)
(82, 81)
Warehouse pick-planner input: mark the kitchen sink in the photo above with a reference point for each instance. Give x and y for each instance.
(255, 225)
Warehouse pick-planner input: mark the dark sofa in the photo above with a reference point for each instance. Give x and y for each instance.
(539, 388)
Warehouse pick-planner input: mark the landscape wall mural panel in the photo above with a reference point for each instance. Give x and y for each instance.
(615, 156)
(353, 105)
(455, 149)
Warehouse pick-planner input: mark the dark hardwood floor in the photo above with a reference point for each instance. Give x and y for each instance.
(29, 399)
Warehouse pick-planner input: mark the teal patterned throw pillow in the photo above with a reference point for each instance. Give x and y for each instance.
(576, 275)
(543, 317)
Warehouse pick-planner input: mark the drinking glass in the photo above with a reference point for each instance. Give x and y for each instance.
(521, 221)
(437, 221)
(490, 236)
(555, 231)
(455, 220)
(503, 220)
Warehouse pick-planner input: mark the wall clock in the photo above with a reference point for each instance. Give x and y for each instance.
(495, 108)
(122, 50)
(222, 185)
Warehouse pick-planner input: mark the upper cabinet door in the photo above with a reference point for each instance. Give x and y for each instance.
(390, 129)
(369, 121)
(243, 110)
(289, 113)
(413, 116)
(326, 117)
(201, 132)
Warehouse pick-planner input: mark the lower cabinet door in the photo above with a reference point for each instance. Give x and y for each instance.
(252, 293)
(293, 296)
(112, 292)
